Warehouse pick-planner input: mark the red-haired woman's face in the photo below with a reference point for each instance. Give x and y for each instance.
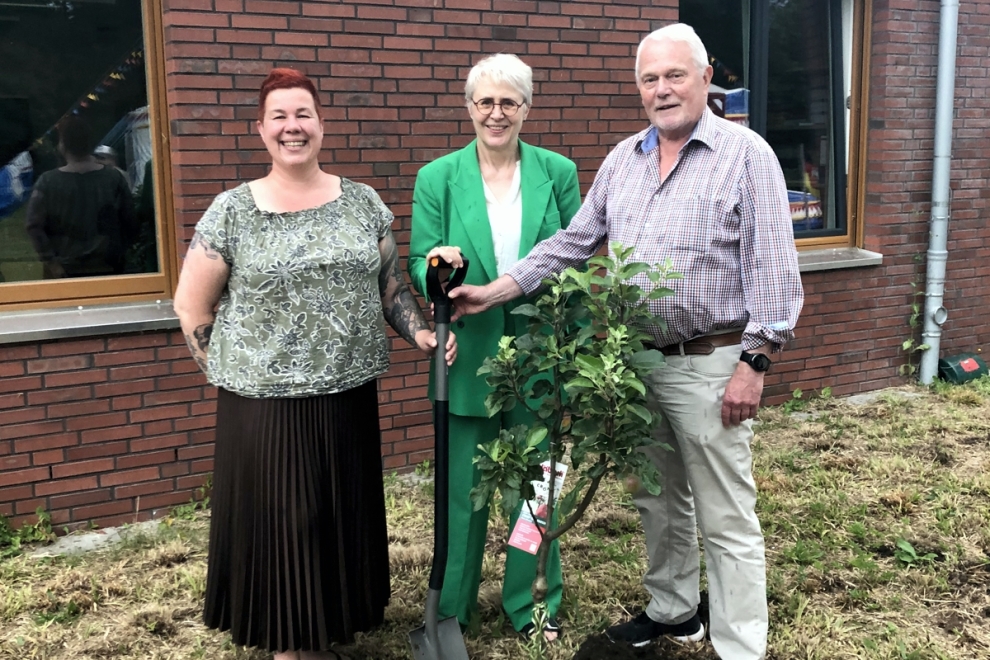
(291, 128)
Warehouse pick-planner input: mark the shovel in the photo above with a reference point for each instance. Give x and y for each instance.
(439, 640)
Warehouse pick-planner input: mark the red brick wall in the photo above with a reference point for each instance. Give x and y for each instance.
(391, 77)
(854, 321)
(106, 429)
(87, 426)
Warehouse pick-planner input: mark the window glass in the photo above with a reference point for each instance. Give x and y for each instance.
(76, 187)
(806, 86)
(801, 124)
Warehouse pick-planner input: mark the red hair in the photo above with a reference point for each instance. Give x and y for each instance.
(286, 79)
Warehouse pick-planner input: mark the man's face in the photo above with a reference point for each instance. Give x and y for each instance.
(673, 90)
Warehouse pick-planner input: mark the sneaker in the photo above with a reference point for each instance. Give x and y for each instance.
(642, 630)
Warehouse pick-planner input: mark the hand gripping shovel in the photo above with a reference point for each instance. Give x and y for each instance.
(439, 640)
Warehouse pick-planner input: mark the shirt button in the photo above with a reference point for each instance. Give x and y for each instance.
(460, 324)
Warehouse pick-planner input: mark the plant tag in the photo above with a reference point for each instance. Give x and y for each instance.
(525, 534)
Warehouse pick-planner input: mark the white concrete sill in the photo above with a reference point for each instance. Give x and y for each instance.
(103, 320)
(837, 258)
(94, 321)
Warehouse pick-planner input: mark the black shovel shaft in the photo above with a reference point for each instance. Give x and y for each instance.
(442, 307)
(441, 408)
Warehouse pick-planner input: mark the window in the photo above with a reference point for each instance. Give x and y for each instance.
(787, 69)
(82, 190)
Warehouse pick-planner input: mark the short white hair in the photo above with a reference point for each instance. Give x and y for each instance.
(677, 33)
(502, 68)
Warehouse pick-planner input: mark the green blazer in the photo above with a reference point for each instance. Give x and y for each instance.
(449, 209)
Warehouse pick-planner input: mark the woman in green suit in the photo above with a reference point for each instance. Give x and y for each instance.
(493, 200)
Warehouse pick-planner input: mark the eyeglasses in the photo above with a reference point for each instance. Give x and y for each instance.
(487, 106)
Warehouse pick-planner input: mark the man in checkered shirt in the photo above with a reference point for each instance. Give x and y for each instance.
(710, 195)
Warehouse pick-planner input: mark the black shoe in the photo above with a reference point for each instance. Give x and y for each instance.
(642, 630)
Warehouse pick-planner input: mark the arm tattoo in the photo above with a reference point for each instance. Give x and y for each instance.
(199, 241)
(199, 342)
(400, 307)
(202, 335)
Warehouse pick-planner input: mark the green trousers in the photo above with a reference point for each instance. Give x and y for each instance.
(468, 529)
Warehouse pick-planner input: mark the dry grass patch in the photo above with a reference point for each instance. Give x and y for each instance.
(877, 518)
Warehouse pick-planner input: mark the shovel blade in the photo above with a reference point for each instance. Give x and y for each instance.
(449, 644)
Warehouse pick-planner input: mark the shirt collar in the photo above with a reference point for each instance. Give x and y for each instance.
(704, 131)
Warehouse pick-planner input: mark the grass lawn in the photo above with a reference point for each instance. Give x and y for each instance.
(877, 521)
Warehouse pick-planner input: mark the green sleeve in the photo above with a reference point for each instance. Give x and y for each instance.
(427, 231)
(569, 195)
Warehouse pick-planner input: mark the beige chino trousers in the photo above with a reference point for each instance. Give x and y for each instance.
(707, 483)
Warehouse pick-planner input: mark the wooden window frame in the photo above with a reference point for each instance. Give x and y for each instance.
(136, 287)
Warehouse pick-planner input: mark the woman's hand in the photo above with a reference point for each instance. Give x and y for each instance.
(426, 340)
(452, 255)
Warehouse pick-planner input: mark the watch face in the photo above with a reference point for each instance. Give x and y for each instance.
(758, 361)
(761, 362)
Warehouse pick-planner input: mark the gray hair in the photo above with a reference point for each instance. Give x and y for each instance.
(502, 68)
(677, 33)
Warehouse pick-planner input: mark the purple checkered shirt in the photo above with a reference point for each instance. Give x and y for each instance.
(722, 217)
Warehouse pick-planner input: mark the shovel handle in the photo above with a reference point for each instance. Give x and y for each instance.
(436, 290)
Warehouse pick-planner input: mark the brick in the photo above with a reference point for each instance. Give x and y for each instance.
(43, 397)
(12, 400)
(142, 489)
(21, 415)
(65, 486)
(150, 458)
(14, 462)
(158, 413)
(69, 378)
(104, 512)
(78, 499)
(96, 450)
(47, 457)
(96, 421)
(110, 433)
(166, 500)
(82, 467)
(9, 384)
(66, 363)
(129, 476)
(45, 441)
(159, 442)
(15, 431)
(78, 408)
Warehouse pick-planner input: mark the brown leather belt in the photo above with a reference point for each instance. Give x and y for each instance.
(700, 345)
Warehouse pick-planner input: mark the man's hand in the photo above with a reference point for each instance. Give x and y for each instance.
(470, 299)
(742, 395)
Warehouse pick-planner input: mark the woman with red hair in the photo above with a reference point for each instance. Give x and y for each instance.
(300, 267)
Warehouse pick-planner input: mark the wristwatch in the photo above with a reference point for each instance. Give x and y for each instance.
(758, 361)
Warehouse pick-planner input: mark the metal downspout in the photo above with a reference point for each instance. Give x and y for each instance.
(938, 256)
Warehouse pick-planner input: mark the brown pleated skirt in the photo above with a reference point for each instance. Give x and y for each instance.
(298, 555)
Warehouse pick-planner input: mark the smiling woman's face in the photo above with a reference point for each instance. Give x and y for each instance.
(496, 131)
(291, 128)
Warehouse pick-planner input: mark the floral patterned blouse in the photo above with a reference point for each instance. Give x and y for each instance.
(302, 312)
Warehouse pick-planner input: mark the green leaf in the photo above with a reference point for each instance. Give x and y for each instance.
(589, 363)
(578, 382)
(527, 310)
(536, 436)
(647, 360)
(641, 412)
(631, 270)
(660, 292)
(636, 384)
(525, 343)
